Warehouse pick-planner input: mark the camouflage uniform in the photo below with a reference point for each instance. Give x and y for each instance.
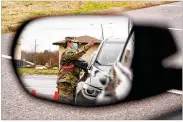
(67, 79)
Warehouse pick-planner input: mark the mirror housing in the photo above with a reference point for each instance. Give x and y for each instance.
(152, 45)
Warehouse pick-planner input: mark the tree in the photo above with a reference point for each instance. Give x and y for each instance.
(52, 58)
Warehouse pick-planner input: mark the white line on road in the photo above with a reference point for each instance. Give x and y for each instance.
(9, 57)
(171, 6)
(6, 56)
(178, 29)
(175, 91)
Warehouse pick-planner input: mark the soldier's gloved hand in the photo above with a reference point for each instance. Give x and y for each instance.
(91, 43)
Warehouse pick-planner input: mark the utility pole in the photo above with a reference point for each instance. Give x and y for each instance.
(35, 54)
(50, 55)
(102, 32)
(49, 48)
(50, 62)
(35, 45)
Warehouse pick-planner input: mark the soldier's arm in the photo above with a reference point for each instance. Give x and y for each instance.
(81, 51)
(74, 55)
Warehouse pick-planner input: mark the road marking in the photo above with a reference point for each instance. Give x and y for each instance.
(6, 56)
(178, 29)
(172, 6)
(175, 91)
(9, 57)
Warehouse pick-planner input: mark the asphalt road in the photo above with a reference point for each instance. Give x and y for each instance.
(17, 104)
(42, 84)
(45, 85)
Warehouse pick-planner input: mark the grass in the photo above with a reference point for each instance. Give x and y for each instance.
(32, 71)
(91, 6)
(16, 12)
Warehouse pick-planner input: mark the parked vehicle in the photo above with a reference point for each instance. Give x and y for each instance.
(55, 68)
(40, 67)
(28, 66)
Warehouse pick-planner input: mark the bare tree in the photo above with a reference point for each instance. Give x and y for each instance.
(52, 58)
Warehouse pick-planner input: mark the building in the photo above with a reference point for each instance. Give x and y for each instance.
(83, 40)
(19, 61)
(17, 55)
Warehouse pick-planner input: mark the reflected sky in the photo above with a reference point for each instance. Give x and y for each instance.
(52, 29)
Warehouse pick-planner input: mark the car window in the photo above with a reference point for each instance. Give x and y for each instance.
(109, 53)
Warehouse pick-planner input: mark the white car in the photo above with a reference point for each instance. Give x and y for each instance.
(55, 68)
(40, 67)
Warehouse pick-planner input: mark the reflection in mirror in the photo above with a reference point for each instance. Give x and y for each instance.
(54, 53)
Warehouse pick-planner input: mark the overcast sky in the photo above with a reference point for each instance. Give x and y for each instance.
(48, 30)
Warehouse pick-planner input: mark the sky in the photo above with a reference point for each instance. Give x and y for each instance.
(52, 29)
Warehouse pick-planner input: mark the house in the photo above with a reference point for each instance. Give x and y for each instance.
(82, 40)
(17, 55)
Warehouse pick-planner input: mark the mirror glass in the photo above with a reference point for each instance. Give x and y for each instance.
(52, 56)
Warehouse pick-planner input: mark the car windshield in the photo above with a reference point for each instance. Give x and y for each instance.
(109, 53)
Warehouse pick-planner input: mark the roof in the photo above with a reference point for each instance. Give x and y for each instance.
(81, 39)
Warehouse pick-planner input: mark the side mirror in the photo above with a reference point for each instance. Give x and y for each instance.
(41, 43)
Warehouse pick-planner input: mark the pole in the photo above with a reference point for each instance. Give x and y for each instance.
(50, 62)
(35, 45)
(112, 30)
(102, 32)
(35, 54)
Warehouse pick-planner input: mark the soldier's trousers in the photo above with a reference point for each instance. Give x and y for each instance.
(66, 92)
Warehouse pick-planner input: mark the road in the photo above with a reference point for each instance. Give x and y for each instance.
(42, 84)
(45, 85)
(18, 105)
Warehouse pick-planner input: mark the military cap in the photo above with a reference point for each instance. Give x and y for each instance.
(71, 39)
